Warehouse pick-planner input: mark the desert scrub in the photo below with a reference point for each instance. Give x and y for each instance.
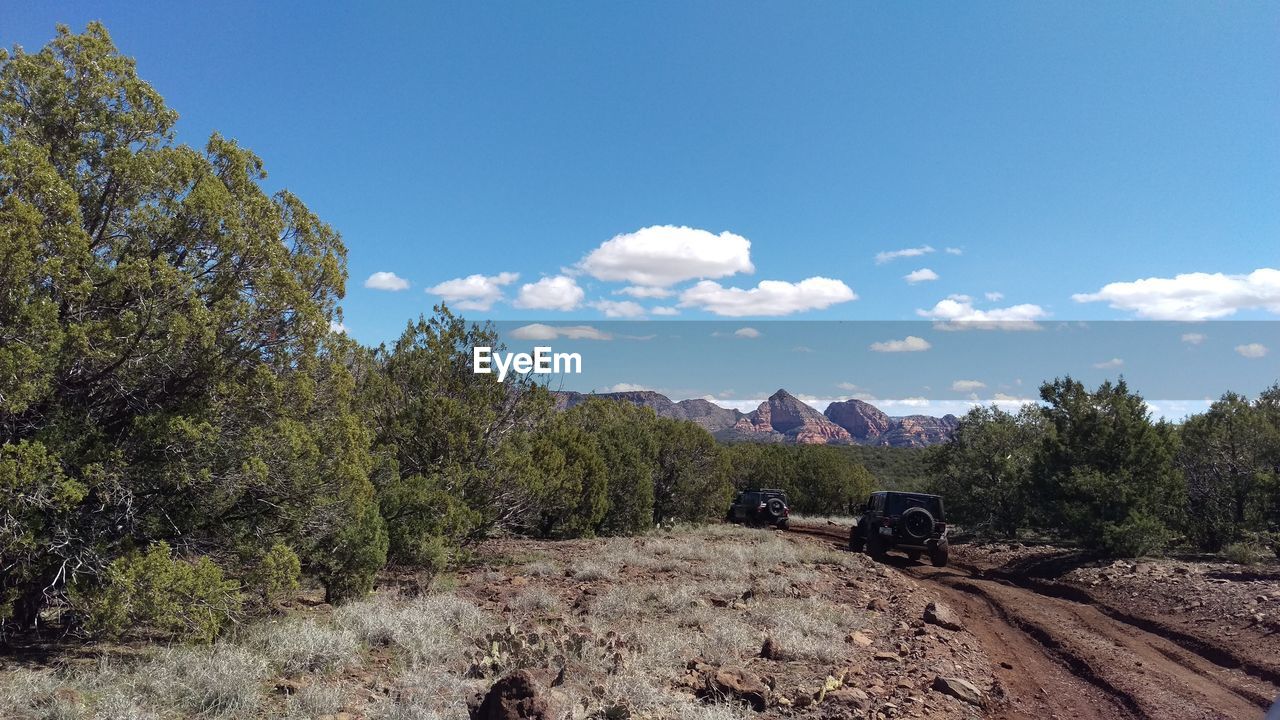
(294, 646)
(431, 630)
(595, 570)
(536, 600)
(219, 681)
(1243, 553)
(543, 568)
(274, 577)
(809, 629)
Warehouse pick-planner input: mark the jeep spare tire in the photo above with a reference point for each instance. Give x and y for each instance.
(917, 523)
(775, 507)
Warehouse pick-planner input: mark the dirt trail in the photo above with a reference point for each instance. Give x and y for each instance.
(1067, 659)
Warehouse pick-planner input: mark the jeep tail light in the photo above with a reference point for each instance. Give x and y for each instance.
(786, 512)
(886, 522)
(762, 506)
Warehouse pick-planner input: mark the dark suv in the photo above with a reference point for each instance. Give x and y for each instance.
(760, 507)
(912, 522)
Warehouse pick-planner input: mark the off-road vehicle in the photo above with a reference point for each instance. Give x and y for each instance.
(760, 507)
(912, 522)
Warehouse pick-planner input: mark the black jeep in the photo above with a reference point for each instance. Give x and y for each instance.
(760, 507)
(912, 522)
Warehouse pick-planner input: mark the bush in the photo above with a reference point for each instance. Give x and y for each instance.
(1138, 535)
(1244, 553)
(275, 577)
(158, 591)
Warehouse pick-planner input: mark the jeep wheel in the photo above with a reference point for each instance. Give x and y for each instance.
(875, 546)
(784, 524)
(855, 539)
(917, 523)
(913, 555)
(938, 555)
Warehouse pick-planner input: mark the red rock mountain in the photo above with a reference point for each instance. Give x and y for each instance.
(795, 421)
(784, 418)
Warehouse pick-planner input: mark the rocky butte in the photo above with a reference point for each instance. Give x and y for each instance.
(784, 418)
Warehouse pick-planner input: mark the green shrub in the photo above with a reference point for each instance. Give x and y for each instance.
(275, 577)
(157, 591)
(1244, 553)
(1140, 534)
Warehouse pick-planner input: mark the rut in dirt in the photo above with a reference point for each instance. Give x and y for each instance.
(1070, 659)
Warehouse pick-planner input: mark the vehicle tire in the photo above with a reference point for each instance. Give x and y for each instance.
(875, 546)
(775, 507)
(784, 524)
(917, 523)
(939, 554)
(914, 555)
(855, 539)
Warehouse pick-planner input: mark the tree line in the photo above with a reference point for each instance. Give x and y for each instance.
(1093, 466)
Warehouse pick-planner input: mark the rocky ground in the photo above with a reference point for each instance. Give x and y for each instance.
(706, 624)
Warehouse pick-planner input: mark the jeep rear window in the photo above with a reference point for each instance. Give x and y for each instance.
(898, 504)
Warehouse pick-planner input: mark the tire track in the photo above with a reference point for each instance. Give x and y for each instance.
(1082, 661)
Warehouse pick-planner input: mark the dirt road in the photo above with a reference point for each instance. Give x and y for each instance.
(1066, 658)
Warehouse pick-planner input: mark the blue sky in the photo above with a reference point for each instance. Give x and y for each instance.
(1048, 155)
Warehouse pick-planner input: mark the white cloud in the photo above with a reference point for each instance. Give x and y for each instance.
(890, 255)
(770, 297)
(550, 293)
(641, 291)
(626, 387)
(384, 280)
(1107, 364)
(910, 343)
(474, 292)
(1252, 350)
(747, 332)
(919, 276)
(1192, 296)
(967, 385)
(337, 327)
(538, 331)
(954, 251)
(1193, 338)
(664, 310)
(995, 296)
(957, 312)
(615, 309)
(663, 255)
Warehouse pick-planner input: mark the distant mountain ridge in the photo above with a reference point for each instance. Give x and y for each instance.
(784, 418)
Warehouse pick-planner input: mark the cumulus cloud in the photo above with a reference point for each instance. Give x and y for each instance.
(1252, 351)
(910, 343)
(663, 255)
(1192, 296)
(664, 310)
(769, 297)
(954, 251)
(1193, 338)
(627, 387)
(538, 331)
(1107, 364)
(641, 291)
(957, 312)
(550, 293)
(747, 332)
(337, 327)
(967, 385)
(474, 292)
(919, 276)
(995, 296)
(385, 280)
(891, 255)
(616, 309)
